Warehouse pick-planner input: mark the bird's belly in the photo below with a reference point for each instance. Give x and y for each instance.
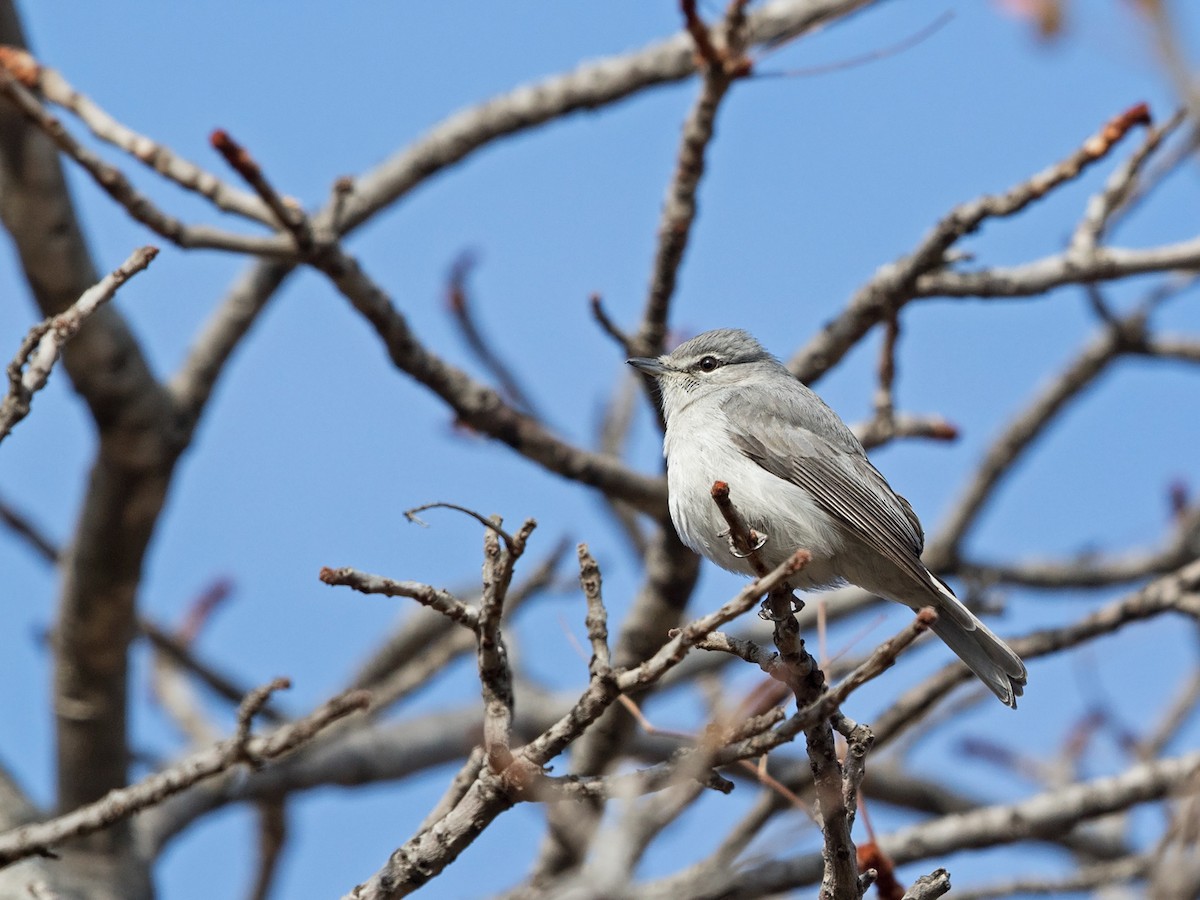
(785, 513)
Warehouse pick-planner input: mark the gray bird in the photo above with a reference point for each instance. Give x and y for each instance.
(799, 476)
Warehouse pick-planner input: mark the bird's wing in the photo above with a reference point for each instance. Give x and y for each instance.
(844, 484)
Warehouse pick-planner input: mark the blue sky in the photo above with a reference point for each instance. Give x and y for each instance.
(314, 444)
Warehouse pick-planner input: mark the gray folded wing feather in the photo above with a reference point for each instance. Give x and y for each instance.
(843, 483)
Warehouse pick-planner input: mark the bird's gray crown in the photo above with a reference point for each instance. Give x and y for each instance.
(728, 345)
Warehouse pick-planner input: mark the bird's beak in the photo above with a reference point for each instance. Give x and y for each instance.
(647, 364)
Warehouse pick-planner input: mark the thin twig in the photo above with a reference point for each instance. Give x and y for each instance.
(440, 600)
(1118, 190)
(608, 326)
(495, 676)
(411, 515)
(119, 804)
(597, 615)
(30, 368)
(115, 183)
(913, 40)
(272, 838)
(182, 655)
(721, 68)
(897, 283)
(458, 302)
(876, 433)
(288, 213)
(32, 534)
(807, 681)
(54, 87)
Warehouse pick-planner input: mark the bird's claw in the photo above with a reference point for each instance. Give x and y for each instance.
(766, 612)
(758, 540)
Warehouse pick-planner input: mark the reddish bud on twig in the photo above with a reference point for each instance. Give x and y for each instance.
(1116, 128)
(235, 154)
(21, 65)
(943, 431)
(699, 32)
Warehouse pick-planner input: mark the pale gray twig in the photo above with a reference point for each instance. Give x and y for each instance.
(929, 887)
(30, 368)
(442, 601)
(1177, 592)
(115, 183)
(54, 87)
(1117, 191)
(1089, 877)
(1112, 341)
(721, 67)
(1052, 811)
(123, 802)
(897, 283)
(495, 675)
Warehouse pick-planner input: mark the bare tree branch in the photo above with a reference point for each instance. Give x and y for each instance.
(1091, 570)
(1020, 433)
(30, 368)
(1119, 188)
(1177, 592)
(806, 680)
(55, 88)
(442, 601)
(29, 532)
(482, 408)
(491, 793)
(114, 182)
(504, 745)
(591, 86)
(459, 303)
(1052, 811)
(721, 68)
(1043, 275)
(897, 283)
(1095, 875)
(122, 803)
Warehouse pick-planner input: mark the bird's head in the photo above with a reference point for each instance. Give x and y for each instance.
(726, 357)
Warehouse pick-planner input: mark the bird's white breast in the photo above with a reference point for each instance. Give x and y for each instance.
(699, 452)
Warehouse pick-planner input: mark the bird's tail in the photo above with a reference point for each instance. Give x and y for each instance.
(992, 660)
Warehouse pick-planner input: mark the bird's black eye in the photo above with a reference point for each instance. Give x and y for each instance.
(708, 363)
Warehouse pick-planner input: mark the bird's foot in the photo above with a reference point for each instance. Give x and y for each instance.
(758, 540)
(768, 613)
